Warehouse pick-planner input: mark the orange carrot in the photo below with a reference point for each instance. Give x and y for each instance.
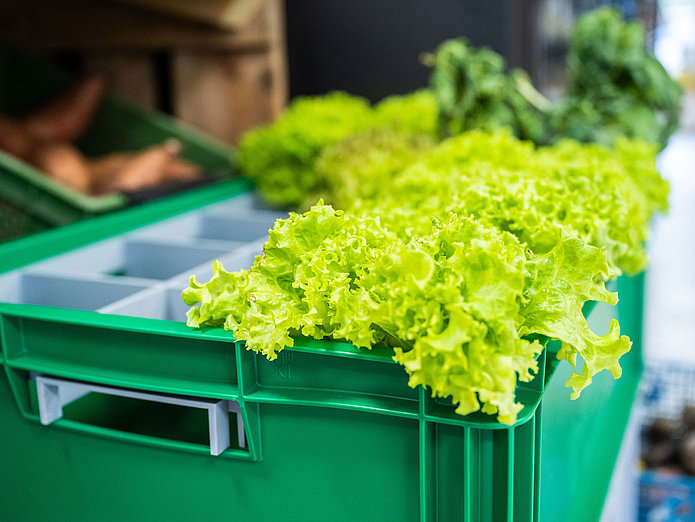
(181, 170)
(67, 117)
(146, 169)
(65, 164)
(104, 168)
(15, 139)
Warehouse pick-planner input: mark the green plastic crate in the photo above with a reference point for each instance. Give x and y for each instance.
(330, 432)
(29, 201)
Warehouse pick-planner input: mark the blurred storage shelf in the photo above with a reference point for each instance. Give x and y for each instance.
(223, 78)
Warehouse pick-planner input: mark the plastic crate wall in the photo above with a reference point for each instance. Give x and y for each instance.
(321, 402)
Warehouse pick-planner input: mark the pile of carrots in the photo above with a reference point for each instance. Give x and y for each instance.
(45, 140)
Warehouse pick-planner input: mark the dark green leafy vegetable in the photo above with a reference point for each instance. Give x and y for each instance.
(475, 91)
(615, 86)
(615, 89)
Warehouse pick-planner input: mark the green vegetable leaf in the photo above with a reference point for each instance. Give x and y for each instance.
(561, 281)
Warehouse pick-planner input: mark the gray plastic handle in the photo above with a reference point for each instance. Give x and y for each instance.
(55, 393)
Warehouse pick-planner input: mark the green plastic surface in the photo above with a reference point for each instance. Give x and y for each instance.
(29, 201)
(342, 435)
(581, 439)
(20, 252)
(333, 432)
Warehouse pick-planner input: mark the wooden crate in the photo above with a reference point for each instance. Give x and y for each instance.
(219, 65)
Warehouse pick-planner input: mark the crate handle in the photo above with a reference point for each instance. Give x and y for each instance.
(55, 393)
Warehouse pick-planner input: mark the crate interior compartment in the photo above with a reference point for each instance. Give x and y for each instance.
(64, 291)
(142, 273)
(163, 301)
(223, 225)
(248, 204)
(140, 258)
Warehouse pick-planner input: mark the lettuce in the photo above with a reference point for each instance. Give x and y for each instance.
(360, 166)
(414, 113)
(603, 196)
(455, 301)
(455, 254)
(280, 157)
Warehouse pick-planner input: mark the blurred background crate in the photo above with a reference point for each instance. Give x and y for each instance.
(219, 65)
(666, 493)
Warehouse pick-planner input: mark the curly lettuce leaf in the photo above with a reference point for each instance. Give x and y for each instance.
(414, 113)
(560, 282)
(603, 196)
(452, 299)
(480, 244)
(360, 166)
(280, 157)
(458, 300)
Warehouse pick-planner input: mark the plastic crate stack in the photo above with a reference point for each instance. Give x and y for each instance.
(666, 389)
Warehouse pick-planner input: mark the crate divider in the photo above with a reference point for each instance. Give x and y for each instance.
(234, 228)
(163, 259)
(246, 204)
(162, 299)
(61, 273)
(66, 290)
(181, 226)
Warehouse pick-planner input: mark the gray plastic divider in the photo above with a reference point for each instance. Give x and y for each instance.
(239, 259)
(100, 258)
(270, 216)
(160, 260)
(249, 204)
(142, 273)
(233, 228)
(70, 292)
(11, 287)
(163, 299)
(186, 226)
(159, 303)
(139, 257)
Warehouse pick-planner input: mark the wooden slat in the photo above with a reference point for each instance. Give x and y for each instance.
(223, 82)
(226, 14)
(129, 75)
(277, 55)
(57, 25)
(223, 94)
